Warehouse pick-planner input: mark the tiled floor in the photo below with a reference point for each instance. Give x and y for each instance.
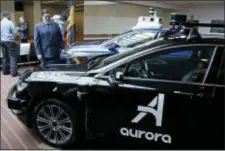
(14, 135)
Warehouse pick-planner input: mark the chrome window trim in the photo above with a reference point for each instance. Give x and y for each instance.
(147, 52)
(170, 81)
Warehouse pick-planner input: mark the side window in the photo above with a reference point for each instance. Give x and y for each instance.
(221, 74)
(118, 69)
(181, 54)
(187, 64)
(221, 71)
(217, 68)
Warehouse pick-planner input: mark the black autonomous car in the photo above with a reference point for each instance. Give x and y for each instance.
(169, 95)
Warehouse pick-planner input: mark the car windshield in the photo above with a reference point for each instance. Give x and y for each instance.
(136, 37)
(132, 38)
(108, 42)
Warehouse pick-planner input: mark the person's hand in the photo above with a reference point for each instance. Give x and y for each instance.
(39, 57)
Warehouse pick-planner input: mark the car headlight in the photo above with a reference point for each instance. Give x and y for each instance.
(68, 52)
(21, 86)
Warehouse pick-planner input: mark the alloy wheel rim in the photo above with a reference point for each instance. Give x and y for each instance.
(54, 124)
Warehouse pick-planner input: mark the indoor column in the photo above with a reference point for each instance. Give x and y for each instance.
(8, 5)
(37, 11)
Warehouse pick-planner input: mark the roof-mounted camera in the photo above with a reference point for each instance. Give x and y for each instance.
(189, 27)
(151, 21)
(178, 19)
(152, 12)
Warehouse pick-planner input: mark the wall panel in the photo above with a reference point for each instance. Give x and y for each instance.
(116, 18)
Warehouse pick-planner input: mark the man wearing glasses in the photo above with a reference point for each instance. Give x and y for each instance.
(48, 40)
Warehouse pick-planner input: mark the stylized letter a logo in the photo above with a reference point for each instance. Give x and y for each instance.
(157, 113)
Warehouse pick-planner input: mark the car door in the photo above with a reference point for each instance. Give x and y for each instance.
(154, 108)
(216, 78)
(219, 105)
(197, 116)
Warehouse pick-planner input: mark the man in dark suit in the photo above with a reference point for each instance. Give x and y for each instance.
(48, 40)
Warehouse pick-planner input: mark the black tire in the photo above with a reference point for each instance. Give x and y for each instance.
(71, 114)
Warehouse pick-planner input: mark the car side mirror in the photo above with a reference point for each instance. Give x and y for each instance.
(115, 78)
(119, 76)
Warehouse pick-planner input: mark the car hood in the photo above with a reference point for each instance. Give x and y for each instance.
(55, 76)
(86, 44)
(123, 49)
(85, 49)
(91, 50)
(83, 46)
(94, 44)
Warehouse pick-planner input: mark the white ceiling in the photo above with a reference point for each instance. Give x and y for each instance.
(183, 3)
(178, 5)
(153, 4)
(85, 2)
(98, 2)
(192, 2)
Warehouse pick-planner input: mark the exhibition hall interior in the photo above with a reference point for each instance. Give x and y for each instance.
(83, 74)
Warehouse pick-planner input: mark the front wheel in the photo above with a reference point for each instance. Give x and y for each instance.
(55, 123)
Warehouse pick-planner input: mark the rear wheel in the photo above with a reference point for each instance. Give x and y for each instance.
(55, 123)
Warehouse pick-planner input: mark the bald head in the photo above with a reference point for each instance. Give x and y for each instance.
(21, 19)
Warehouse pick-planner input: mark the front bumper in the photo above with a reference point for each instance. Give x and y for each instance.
(18, 106)
(13, 102)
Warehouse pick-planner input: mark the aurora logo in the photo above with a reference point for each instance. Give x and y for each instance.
(157, 102)
(155, 108)
(147, 135)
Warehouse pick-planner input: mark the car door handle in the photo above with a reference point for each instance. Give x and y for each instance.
(199, 95)
(183, 93)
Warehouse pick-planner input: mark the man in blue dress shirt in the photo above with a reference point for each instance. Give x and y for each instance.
(10, 50)
(48, 40)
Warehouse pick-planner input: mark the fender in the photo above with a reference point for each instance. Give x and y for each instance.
(70, 92)
(65, 93)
